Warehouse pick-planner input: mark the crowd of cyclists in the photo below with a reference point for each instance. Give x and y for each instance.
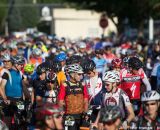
(51, 83)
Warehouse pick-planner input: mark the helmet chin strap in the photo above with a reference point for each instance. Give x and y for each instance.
(16, 67)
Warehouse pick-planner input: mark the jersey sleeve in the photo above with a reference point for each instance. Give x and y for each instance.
(126, 99)
(142, 73)
(5, 76)
(62, 92)
(85, 92)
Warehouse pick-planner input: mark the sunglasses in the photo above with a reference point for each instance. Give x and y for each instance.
(6, 61)
(89, 73)
(79, 74)
(107, 84)
(150, 104)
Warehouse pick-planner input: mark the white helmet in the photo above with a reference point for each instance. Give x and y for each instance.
(74, 68)
(6, 57)
(111, 76)
(150, 96)
(37, 52)
(82, 45)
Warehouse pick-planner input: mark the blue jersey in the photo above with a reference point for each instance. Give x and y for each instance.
(14, 84)
(100, 64)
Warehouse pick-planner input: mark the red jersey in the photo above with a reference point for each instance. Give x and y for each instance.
(131, 83)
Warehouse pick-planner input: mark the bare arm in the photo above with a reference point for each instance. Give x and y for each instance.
(85, 104)
(131, 114)
(147, 84)
(2, 89)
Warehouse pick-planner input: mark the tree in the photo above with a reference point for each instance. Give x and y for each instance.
(22, 16)
(3, 13)
(136, 11)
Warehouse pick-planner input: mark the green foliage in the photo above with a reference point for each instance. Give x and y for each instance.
(23, 16)
(3, 12)
(137, 11)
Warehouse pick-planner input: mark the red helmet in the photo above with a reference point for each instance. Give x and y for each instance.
(116, 62)
(47, 109)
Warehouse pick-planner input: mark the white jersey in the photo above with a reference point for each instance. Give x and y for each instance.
(94, 86)
(114, 99)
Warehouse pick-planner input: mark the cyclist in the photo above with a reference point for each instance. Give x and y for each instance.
(39, 84)
(28, 71)
(57, 68)
(95, 87)
(115, 96)
(36, 57)
(110, 116)
(131, 80)
(7, 64)
(51, 92)
(116, 64)
(150, 119)
(61, 57)
(13, 84)
(74, 95)
(99, 61)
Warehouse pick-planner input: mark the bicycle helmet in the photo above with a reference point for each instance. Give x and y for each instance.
(18, 60)
(89, 66)
(41, 68)
(111, 76)
(29, 68)
(73, 60)
(51, 77)
(37, 52)
(55, 108)
(57, 66)
(47, 109)
(125, 60)
(116, 62)
(6, 57)
(135, 63)
(82, 45)
(150, 96)
(74, 68)
(61, 57)
(42, 113)
(110, 114)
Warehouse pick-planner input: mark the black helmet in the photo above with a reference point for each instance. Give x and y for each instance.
(110, 114)
(88, 66)
(18, 60)
(135, 63)
(41, 68)
(57, 66)
(73, 60)
(51, 77)
(99, 51)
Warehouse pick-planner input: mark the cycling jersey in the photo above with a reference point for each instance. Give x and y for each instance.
(95, 90)
(112, 99)
(14, 83)
(144, 123)
(100, 64)
(61, 77)
(131, 83)
(118, 98)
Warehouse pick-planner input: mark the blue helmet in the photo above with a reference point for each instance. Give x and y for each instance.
(61, 57)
